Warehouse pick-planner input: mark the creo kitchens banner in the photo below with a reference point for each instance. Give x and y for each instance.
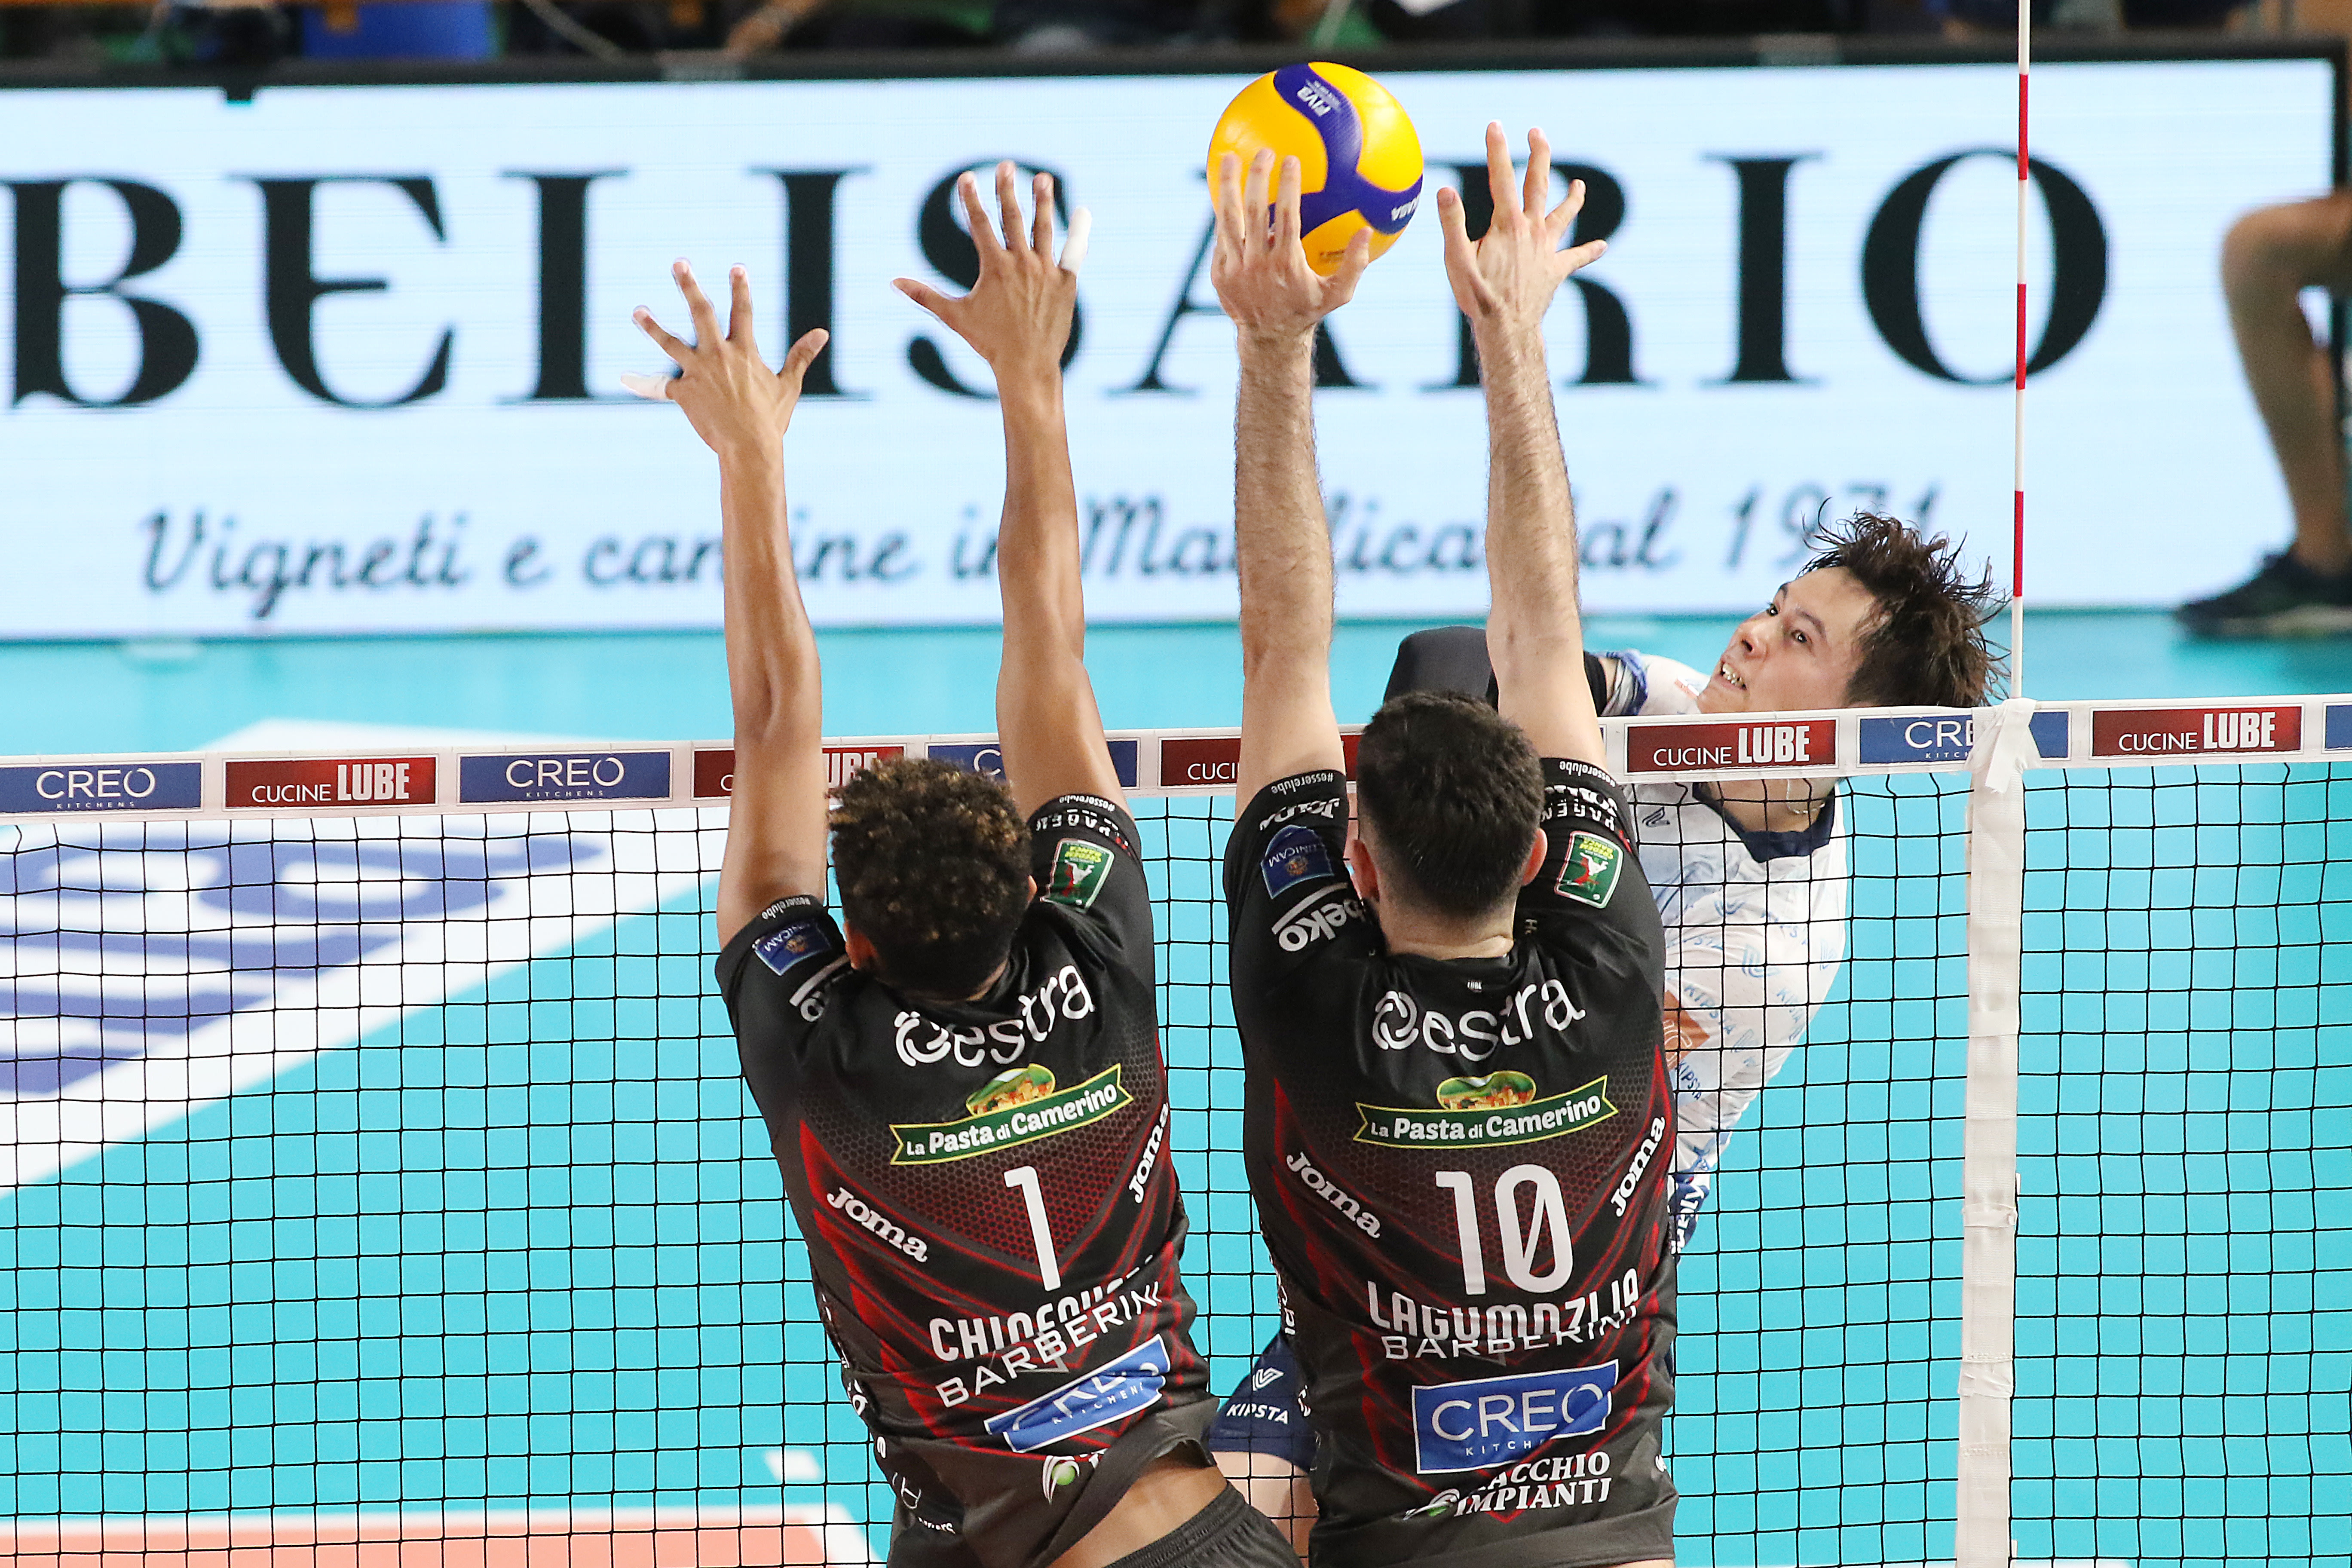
(346, 359)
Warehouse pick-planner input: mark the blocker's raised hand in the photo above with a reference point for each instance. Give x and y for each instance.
(735, 403)
(1506, 281)
(1017, 317)
(1260, 269)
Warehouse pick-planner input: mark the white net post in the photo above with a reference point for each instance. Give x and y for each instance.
(1982, 1536)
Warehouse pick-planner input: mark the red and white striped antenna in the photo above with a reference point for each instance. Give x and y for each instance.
(2024, 189)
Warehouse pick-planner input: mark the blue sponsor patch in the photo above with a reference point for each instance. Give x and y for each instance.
(1293, 856)
(978, 756)
(1947, 737)
(1110, 1392)
(988, 757)
(570, 775)
(102, 784)
(787, 945)
(2339, 727)
(1492, 1420)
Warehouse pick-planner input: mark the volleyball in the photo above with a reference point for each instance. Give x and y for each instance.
(1359, 157)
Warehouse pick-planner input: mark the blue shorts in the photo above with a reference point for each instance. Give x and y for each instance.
(1267, 1413)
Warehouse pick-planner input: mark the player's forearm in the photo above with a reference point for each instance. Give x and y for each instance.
(1037, 544)
(772, 659)
(1531, 522)
(1282, 544)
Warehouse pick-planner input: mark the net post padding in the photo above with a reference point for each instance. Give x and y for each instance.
(1987, 1376)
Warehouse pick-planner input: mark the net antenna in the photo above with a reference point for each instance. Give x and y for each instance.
(2017, 439)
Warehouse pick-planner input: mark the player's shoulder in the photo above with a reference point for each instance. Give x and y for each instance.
(792, 951)
(1649, 685)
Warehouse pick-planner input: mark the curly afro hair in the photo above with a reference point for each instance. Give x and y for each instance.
(933, 865)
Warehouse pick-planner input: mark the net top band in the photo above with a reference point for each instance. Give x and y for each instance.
(629, 775)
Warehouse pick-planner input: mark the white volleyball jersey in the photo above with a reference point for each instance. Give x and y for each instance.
(1754, 930)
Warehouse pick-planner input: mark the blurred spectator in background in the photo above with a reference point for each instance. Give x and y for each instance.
(1974, 18)
(2268, 259)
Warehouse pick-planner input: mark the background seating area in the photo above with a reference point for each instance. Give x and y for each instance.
(237, 33)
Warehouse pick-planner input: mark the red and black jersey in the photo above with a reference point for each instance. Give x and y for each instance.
(991, 1217)
(1461, 1169)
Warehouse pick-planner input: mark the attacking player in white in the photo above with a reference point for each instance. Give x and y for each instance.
(1749, 875)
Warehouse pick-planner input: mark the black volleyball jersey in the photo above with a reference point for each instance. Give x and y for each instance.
(991, 1217)
(1461, 1170)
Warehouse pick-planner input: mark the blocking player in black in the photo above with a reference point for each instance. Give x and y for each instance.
(962, 1080)
(1458, 1118)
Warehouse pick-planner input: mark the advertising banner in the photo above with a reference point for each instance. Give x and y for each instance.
(346, 359)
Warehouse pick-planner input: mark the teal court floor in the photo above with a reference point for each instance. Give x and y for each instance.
(176, 695)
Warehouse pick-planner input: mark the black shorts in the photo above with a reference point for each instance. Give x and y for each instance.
(1267, 1413)
(1228, 1533)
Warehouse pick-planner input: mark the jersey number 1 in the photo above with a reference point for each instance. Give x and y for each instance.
(1519, 1244)
(1023, 1179)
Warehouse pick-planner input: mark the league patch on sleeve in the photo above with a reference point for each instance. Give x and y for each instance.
(1590, 873)
(788, 945)
(1080, 870)
(1294, 856)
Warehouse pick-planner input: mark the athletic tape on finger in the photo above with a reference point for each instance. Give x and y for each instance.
(1073, 248)
(652, 389)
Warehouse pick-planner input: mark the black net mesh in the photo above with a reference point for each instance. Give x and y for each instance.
(2184, 1332)
(394, 1178)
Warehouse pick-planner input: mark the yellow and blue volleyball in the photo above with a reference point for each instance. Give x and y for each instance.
(1359, 159)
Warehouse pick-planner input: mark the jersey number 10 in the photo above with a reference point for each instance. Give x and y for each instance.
(1519, 1244)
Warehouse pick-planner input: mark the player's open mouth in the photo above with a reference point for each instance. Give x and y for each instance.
(1723, 672)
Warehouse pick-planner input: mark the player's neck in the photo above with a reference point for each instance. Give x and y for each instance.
(1771, 806)
(1428, 935)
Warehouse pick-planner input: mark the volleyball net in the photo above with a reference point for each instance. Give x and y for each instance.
(377, 1188)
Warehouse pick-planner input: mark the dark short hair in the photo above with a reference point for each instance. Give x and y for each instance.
(1454, 792)
(1927, 647)
(933, 865)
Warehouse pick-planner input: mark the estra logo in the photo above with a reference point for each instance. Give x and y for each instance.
(714, 771)
(325, 781)
(2188, 731)
(1697, 748)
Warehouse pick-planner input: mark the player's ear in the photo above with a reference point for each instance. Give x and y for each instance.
(1362, 871)
(862, 956)
(1031, 896)
(1535, 853)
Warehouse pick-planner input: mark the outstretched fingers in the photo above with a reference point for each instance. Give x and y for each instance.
(1340, 287)
(1041, 225)
(1008, 204)
(802, 356)
(698, 304)
(1562, 218)
(1258, 196)
(922, 294)
(1285, 208)
(1225, 199)
(983, 232)
(1537, 189)
(738, 307)
(679, 352)
(1499, 183)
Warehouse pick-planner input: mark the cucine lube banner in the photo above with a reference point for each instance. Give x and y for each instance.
(345, 359)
